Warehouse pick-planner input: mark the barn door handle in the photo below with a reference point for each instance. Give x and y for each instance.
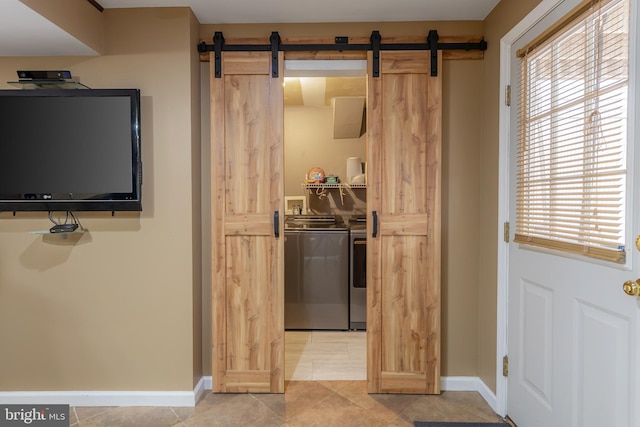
(276, 223)
(375, 224)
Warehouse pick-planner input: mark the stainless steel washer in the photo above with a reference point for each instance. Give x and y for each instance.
(316, 273)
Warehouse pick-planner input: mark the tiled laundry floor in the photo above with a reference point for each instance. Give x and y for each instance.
(320, 355)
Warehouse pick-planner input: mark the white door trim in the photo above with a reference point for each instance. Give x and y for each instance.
(540, 11)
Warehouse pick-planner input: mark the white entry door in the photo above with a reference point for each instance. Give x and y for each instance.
(573, 334)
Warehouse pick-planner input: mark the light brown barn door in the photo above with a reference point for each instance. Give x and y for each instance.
(403, 204)
(247, 256)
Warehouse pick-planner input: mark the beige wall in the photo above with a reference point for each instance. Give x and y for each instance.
(117, 308)
(350, 29)
(205, 190)
(308, 142)
(504, 17)
(461, 123)
(196, 199)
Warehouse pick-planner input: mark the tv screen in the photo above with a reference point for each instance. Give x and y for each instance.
(70, 150)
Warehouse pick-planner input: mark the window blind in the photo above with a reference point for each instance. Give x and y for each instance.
(572, 146)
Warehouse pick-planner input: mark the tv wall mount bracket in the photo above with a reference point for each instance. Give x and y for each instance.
(341, 44)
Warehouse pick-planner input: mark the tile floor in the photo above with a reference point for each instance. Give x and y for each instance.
(324, 386)
(324, 355)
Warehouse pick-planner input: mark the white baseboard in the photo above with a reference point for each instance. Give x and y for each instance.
(183, 398)
(469, 384)
(199, 391)
(105, 398)
(208, 382)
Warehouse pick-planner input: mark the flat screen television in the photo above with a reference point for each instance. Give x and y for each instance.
(70, 150)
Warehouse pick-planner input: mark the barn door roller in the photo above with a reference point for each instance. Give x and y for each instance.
(341, 44)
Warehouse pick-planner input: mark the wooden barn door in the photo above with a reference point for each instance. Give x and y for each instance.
(247, 256)
(403, 205)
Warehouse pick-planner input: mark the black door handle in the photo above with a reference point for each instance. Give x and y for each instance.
(375, 224)
(276, 223)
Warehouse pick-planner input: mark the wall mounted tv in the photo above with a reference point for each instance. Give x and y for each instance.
(70, 150)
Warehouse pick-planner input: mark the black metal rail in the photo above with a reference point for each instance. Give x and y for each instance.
(341, 44)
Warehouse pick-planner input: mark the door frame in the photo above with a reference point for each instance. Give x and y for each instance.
(506, 53)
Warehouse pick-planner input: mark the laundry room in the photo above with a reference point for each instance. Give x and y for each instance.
(325, 212)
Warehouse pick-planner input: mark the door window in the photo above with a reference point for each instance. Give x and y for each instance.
(572, 176)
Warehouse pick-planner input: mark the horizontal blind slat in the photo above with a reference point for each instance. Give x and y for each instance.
(607, 254)
(571, 171)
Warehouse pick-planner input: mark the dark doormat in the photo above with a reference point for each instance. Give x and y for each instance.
(445, 424)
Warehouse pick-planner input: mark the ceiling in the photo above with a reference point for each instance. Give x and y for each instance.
(23, 32)
(278, 11)
(319, 91)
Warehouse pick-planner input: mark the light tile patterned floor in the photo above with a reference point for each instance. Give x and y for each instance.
(325, 355)
(312, 398)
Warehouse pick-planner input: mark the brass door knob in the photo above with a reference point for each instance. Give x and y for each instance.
(631, 287)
